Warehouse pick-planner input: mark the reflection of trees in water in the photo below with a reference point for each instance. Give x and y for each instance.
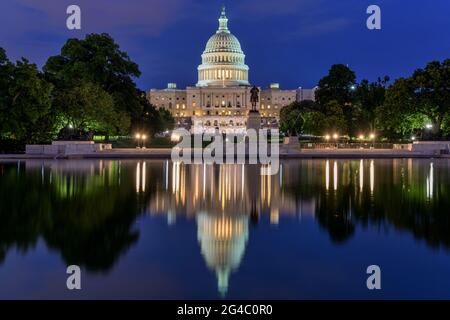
(86, 216)
(411, 195)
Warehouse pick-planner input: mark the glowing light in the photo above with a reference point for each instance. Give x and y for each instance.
(428, 126)
(327, 174)
(430, 181)
(413, 138)
(372, 136)
(327, 137)
(335, 175)
(144, 137)
(361, 175)
(175, 137)
(361, 137)
(372, 176)
(137, 136)
(335, 136)
(138, 177)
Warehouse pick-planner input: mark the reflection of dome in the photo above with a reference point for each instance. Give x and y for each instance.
(223, 62)
(222, 240)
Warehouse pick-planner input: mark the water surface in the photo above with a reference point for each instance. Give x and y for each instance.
(163, 230)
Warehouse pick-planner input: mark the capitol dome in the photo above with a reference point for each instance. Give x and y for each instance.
(223, 62)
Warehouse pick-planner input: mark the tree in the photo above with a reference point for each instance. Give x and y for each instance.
(432, 92)
(98, 60)
(291, 121)
(330, 119)
(369, 96)
(25, 102)
(414, 102)
(5, 82)
(338, 85)
(399, 116)
(89, 107)
(153, 120)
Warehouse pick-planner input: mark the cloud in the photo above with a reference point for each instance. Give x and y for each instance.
(141, 16)
(264, 8)
(322, 28)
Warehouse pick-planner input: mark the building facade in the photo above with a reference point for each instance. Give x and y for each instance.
(220, 101)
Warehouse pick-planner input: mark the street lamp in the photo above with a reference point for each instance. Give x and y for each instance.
(144, 137)
(138, 138)
(372, 137)
(336, 137)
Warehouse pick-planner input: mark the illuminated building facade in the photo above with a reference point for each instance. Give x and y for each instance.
(220, 101)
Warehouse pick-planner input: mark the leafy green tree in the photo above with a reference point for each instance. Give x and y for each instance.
(97, 59)
(291, 121)
(5, 82)
(432, 92)
(338, 85)
(398, 116)
(369, 96)
(89, 107)
(292, 116)
(330, 119)
(26, 103)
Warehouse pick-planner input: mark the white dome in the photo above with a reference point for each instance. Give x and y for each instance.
(223, 42)
(223, 62)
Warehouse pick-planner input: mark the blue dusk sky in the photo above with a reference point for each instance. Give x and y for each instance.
(293, 42)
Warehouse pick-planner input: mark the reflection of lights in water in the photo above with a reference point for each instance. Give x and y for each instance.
(372, 176)
(281, 174)
(141, 176)
(327, 174)
(335, 175)
(167, 174)
(138, 176)
(361, 175)
(242, 180)
(274, 215)
(222, 240)
(204, 180)
(430, 181)
(144, 174)
(266, 186)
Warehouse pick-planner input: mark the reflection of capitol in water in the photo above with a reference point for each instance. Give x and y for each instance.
(223, 240)
(226, 200)
(228, 188)
(223, 199)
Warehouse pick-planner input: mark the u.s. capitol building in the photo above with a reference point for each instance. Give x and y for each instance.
(221, 98)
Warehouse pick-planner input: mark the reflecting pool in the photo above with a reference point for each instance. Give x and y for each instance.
(164, 230)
